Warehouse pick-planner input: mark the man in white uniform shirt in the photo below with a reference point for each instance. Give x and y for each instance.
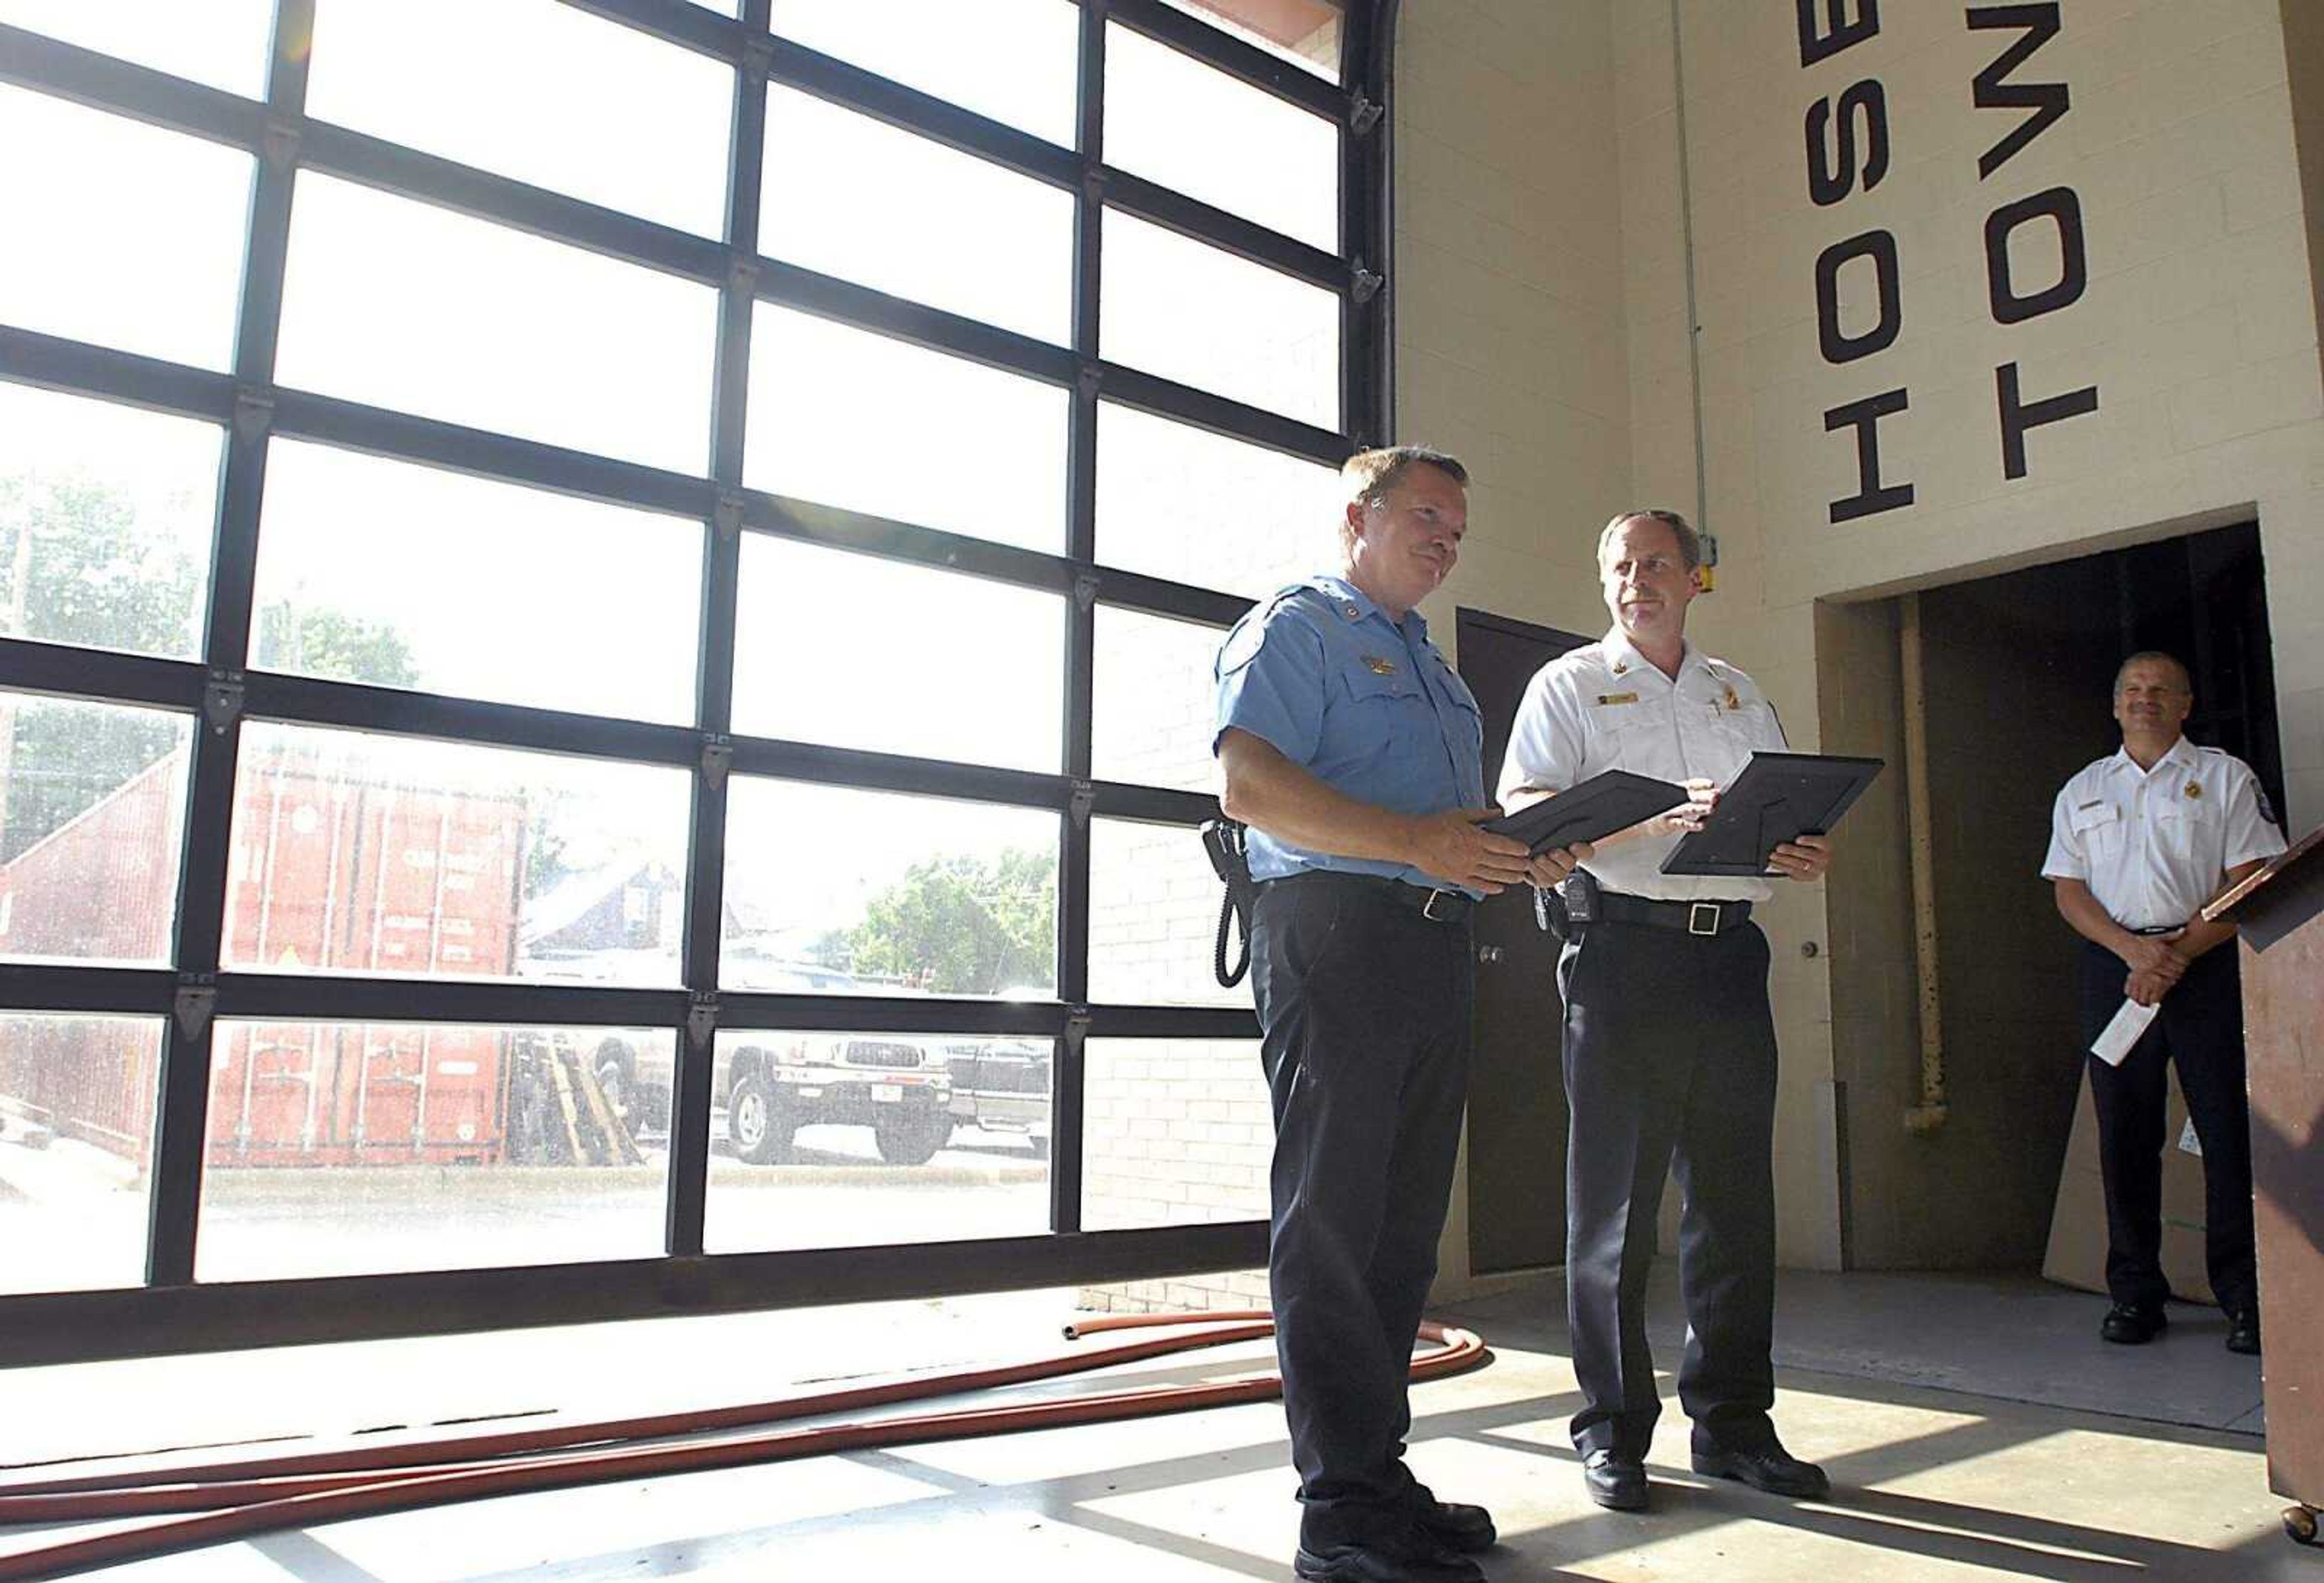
(2139, 842)
(1669, 1045)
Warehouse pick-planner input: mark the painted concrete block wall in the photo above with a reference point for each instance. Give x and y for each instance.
(1511, 340)
(1544, 330)
(2197, 328)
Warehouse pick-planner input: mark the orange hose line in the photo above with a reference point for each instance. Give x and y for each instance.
(293, 1501)
(561, 1437)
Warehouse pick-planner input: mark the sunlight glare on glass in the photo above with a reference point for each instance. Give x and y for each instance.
(845, 194)
(106, 516)
(1254, 155)
(1205, 317)
(410, 307)
(401, 576)
(1012, 61)
(867, 423)
(938, 665)
(221, 42)
(88, 270)
(623, 119)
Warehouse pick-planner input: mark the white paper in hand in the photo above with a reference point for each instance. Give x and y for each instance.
(2122, 1032)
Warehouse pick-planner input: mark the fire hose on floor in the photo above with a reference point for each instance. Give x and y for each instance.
(236, 1499)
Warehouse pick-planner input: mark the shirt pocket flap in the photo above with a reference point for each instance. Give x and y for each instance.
(1367, 683)
(2095, 816)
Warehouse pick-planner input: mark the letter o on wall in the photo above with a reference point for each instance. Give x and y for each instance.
(1880, 247)
(2061, 205)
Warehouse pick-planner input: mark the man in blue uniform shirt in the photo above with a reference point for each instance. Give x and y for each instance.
(1355, 755)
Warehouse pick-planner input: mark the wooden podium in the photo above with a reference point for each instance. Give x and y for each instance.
(2279, 914)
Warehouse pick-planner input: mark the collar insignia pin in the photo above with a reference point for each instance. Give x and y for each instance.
(1351, 611)
(1620, 666)
(2195, 789)
(1732, 701)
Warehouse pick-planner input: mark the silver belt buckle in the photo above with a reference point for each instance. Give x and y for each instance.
(1428, 908)
(1694, 919)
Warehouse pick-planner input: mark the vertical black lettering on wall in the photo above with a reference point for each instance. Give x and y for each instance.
(2061, 205)
(1871, 495)
(2017, 415)
(1839, 29)
(1993, 90)
(1880, 247)
(1833, 172)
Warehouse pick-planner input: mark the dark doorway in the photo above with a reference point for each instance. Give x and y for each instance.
(1517, 1093)
(2019, 673)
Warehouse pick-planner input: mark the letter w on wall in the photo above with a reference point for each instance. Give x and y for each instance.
(1993, 90)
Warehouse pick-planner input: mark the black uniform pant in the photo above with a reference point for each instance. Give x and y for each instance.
(2199, 1027)
(1364, 1010)
(1670, 1068)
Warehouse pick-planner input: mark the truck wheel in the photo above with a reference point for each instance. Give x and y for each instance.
(757, 1123)
(912, 1139)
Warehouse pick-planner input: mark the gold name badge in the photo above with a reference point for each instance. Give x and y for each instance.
(1618, 697)
(1381, 668)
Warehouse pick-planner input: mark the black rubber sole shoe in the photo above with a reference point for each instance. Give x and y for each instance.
(2127, 1326)
(1357, 1564)
(1774, 1473)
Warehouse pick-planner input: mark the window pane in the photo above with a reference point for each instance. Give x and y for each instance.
(364, 1148)
(1183, 503)
(1305, 32)
(92, 804)
(105, 520)
(1154, 707)
(849, 195)
(77, 1103)
(374, 854)
(1172, 119)
(1014, 61)
(844, 1140)
(862, 422)
(1154, 918)
(834, 891)
(402, 577)
(537, 90)
(936, 665)
(109, 200)
(1207, 319)
(402, 304)
(221, 42)
(1178, 1133)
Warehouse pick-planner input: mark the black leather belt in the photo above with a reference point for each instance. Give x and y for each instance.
(1690, 917)
(1438, 906)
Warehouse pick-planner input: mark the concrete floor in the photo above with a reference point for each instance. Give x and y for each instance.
(1971, 1427)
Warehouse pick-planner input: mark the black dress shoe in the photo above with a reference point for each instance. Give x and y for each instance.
(1769, 1468)
(2133, 1324)
(1614, 1480)
(1454, 1526)
(1409, 1557)
(2243, 1333)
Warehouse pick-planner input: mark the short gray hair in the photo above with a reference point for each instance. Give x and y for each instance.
(1371, 474)
(1690, 542)
(2186, 679)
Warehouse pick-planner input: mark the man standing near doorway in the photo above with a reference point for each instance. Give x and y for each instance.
(1355, 755)
(1669, 1042)
(2139, 842)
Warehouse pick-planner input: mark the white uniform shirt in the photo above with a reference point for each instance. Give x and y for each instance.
(1605, 706)
(2154, 845)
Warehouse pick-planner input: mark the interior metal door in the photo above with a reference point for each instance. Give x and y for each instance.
(1517, 1093)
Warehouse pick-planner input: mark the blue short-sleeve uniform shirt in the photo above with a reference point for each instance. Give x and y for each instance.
(1364, 704)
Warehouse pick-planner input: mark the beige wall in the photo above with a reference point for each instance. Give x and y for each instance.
(1510, 341)
(1541, 279)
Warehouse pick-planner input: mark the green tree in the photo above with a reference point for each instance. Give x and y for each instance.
(964, 927)
(77, 566)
